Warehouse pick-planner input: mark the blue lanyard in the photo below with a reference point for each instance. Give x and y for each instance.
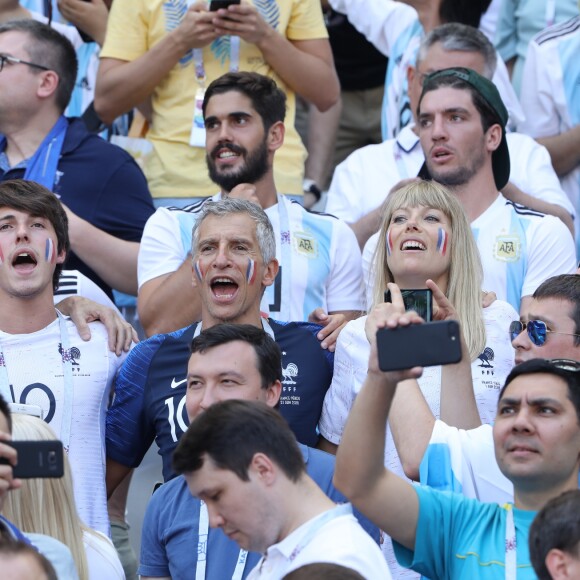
(41, 167)
(67, 364)
(234, 60)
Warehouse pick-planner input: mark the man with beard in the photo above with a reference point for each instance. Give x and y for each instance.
(320, 263)
(462, 120)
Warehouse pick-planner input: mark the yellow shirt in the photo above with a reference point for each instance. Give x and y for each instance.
(176, 169)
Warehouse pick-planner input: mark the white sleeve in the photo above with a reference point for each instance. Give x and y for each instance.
(533, 173)
(368, 268)
(538, 92)
(344, 193)
(381, 21)
(508, 95)
(161, 250)
(344, 290)
(350, 369)
(551, 252)
(464, 462)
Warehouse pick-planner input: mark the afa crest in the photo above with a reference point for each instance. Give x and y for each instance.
(305, 244)
(507, 248)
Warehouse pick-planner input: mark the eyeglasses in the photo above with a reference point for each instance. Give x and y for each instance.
(537, 331)
(13, 60)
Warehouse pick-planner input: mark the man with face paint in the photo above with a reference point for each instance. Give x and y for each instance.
(233, 249)
(43, 360)
(320, 263)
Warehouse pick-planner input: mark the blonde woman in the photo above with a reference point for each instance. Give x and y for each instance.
(47, 506)
(425, 242)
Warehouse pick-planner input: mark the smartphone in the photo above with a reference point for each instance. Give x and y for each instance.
(37, 459)
(217, 4)
(421, 301)
(419, 345)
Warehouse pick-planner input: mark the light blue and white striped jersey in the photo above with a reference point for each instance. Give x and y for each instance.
(520, 248)
(551, 91)
(319, 257)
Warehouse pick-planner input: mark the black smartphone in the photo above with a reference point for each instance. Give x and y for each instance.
(217, 4)
(419, 345)
(421, 301)
(37, 459)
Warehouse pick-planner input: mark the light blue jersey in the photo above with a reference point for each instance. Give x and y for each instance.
(551, 92)
(465, 538)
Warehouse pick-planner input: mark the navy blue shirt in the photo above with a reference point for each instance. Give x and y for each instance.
(151, 385)
(102, 184)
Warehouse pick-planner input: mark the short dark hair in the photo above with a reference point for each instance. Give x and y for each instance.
(49, 48)
(556, 526)
(5, 410)
(325, 570)
(563, 287)
(552, 367)
(268, 354)
(38, 201)
(267, 99)
(488, 116)
(231, 433)
(17, 548)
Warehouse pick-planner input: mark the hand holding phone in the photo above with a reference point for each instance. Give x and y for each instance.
(216, 5)
(421, 301)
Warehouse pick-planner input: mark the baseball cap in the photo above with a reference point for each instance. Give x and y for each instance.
(500, 159)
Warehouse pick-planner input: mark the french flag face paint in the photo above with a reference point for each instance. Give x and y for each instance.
(442, 241)
(389, 243)
(251, 271)
(1, 257)
(198, 271)
(49, 254)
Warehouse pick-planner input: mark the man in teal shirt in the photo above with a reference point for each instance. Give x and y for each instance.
(445, 535)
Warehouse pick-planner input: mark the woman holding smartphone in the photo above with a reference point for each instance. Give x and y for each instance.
(425, 242)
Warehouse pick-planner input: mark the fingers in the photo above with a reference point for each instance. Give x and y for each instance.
(488, 298)
(121, 335)
(317, 315)
(329, 334)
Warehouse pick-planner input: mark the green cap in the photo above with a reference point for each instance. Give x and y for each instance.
(500, 159)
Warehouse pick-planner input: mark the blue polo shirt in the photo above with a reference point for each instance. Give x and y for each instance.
(99, 182)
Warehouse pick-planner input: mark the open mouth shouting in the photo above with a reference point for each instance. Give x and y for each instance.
(24, 261)
(224, 288)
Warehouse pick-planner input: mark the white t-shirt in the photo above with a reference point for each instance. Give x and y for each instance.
(340, 540)
(35, 368)
(375, 169)
(470, 458)
(350, 370)
(318, 254)
(519, 249)
(102, 558)
(551, 91)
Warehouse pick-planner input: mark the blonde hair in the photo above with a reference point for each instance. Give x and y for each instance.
(47, 506)
(465, 271)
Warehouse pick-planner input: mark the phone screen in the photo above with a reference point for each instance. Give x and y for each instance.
(421, 301)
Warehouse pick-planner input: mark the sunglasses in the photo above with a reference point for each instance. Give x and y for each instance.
(537, 331)
(566, 364)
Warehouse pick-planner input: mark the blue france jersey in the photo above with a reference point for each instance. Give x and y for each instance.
(151, 387)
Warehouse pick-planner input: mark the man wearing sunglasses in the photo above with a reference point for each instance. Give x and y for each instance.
(549, 328)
